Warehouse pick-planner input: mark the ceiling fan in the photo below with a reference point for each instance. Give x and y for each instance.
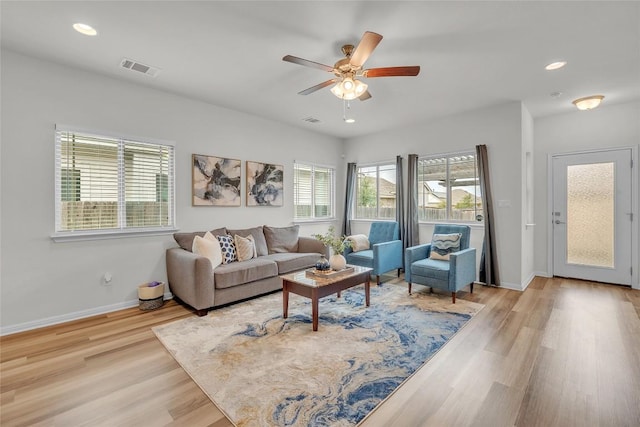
(349, 69)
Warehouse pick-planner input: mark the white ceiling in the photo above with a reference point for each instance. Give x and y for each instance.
(471, 54)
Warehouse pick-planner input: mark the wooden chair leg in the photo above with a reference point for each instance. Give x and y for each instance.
(378, 280)
(399, 272)
(453, 297)
(471, 287)
(202, 312)
(409, 288)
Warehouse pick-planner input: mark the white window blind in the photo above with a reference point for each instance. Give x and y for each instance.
(107, 184)
(313, 188)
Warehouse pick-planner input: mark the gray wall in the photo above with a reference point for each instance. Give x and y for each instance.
(610, 126)
(43, 281)
(527, 200)
(500, 128)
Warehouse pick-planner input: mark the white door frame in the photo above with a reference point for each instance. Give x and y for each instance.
(635, 195)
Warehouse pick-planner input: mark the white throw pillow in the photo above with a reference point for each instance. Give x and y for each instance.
(208, 247)
(245, 247)
(359, 242)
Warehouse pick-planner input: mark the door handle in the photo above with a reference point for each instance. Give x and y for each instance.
(557, 221)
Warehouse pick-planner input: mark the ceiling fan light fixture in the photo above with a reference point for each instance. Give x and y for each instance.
(348, 84)
(337, 90)
(349, 89)
(360, 87)
(588, 102)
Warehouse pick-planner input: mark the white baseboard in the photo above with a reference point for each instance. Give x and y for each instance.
(527, 282)
(522, 286)
(512, 286)
(55, 320)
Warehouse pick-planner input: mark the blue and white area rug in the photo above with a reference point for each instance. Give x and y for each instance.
(263, 370)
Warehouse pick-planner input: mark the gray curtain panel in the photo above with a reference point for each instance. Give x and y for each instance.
(349, 195)
(412, 237)
(400, 202)
(489, 273)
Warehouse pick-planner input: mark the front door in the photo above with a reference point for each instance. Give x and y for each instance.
(592, 216)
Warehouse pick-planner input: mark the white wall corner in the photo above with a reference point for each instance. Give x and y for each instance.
(512, 286)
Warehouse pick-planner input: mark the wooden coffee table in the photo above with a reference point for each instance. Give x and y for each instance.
(314, 287)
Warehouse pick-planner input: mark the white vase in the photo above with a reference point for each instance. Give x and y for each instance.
(337, 262)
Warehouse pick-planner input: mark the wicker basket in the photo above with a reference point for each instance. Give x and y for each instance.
(150, 298)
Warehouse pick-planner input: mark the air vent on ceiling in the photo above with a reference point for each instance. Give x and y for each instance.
(311, 119)
(130, 64)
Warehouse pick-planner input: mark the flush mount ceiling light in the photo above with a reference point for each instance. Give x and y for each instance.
(588, 102)
(85, 29)
(555, 65)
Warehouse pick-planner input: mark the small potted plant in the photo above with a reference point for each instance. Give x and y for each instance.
(338, 244)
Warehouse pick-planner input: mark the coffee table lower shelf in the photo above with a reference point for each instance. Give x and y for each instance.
(315, 288)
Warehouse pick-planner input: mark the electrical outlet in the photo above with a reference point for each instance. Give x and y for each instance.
(107, 278)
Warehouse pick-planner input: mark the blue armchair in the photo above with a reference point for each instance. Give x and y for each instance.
(452, 275)
(385, 251)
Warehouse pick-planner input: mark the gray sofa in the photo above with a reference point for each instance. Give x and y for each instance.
(279, 251)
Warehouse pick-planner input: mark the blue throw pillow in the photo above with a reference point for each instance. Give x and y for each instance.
(228, 249)
(442, 245)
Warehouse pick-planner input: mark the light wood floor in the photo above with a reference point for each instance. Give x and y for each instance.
(562, 353)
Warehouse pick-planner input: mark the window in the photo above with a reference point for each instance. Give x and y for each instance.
(313, 188)
(108, 185)
(376, 192)
(449, 188)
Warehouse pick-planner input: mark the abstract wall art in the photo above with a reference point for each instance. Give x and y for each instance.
(265, 184)
(216, 181)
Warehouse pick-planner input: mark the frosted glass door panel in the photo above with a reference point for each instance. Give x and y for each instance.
(590, 214)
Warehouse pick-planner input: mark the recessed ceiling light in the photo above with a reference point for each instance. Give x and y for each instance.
(85, 29)
(350, 120)
(555, 65)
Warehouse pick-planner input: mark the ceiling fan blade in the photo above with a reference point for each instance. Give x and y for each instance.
(367, 44)
(307, 63)
(366, 95)
(392, 71)
(317, 87)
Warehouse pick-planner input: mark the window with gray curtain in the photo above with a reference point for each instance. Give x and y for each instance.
(448, 188)
(376, 191)
(348, 196)
(412, 232)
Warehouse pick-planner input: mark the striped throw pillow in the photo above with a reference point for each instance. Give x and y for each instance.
(245, 247)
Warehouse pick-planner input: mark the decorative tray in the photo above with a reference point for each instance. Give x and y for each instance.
(327, 274)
